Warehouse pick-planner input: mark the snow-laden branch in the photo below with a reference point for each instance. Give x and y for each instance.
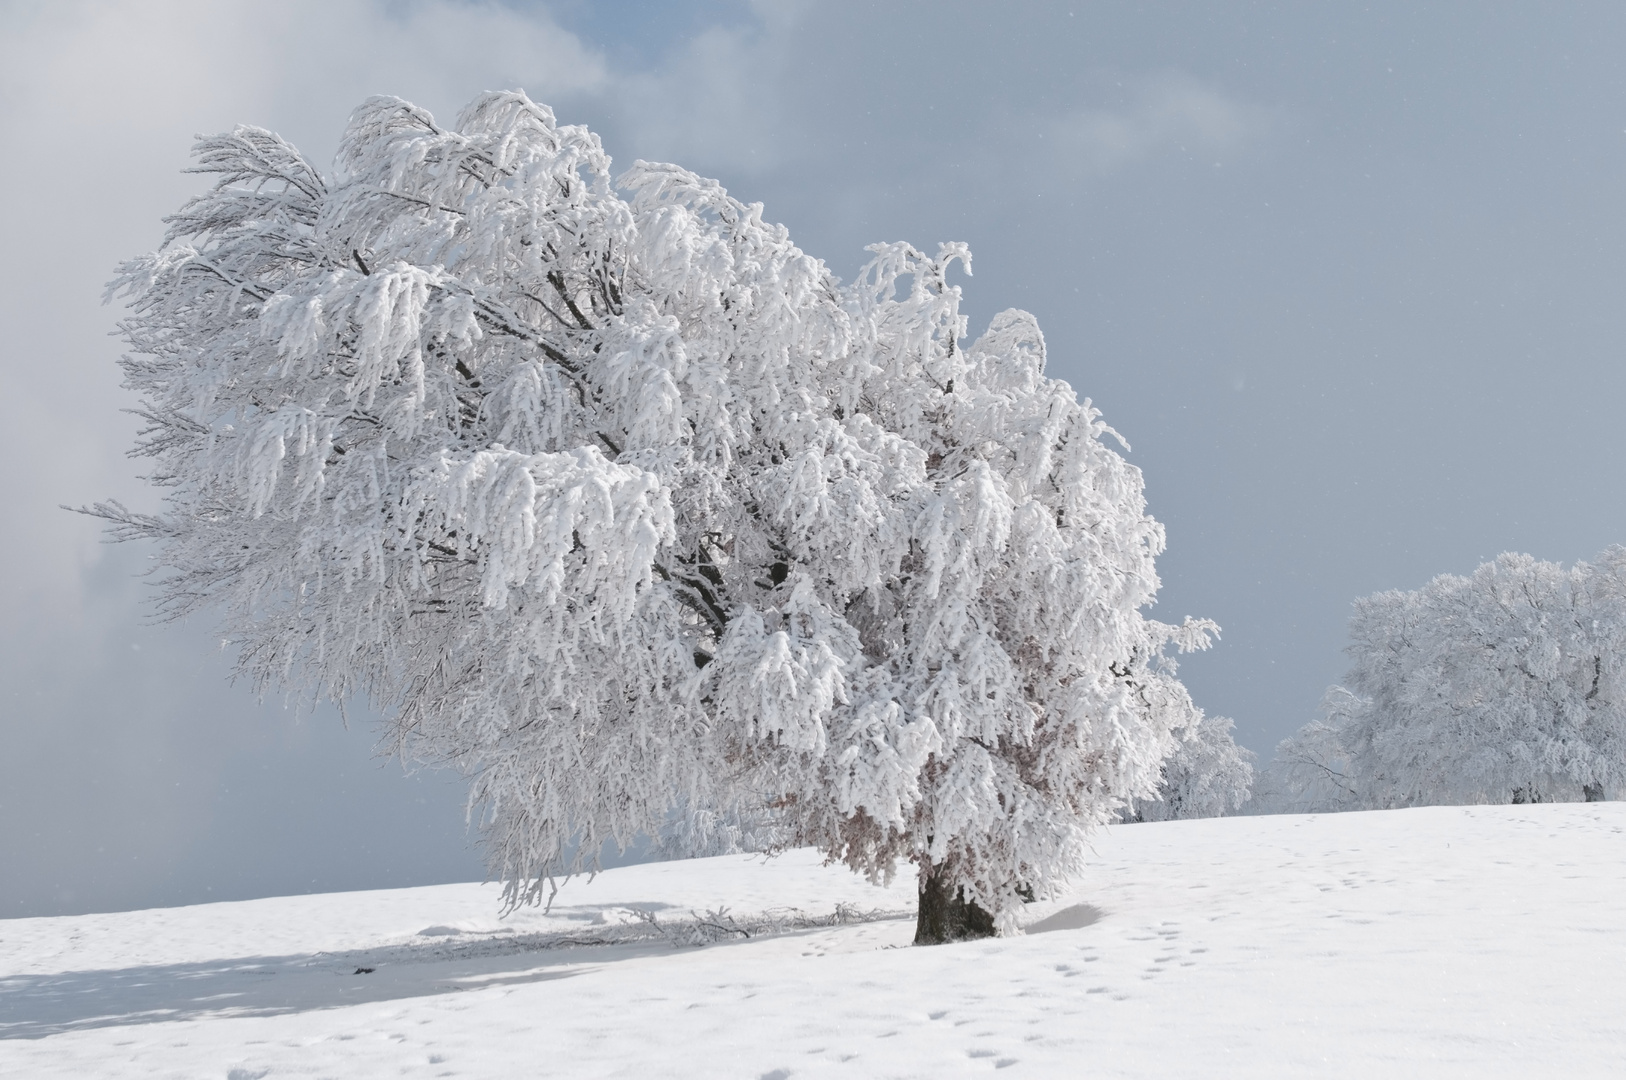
(627, 507)
(1508, 685)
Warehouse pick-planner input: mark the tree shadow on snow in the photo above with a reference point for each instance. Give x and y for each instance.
(34, 1006)
(1076, 917)
(438, 960)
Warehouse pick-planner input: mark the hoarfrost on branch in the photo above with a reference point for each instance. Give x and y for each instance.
(620, 503)
(1508, 685)
(1207, 775)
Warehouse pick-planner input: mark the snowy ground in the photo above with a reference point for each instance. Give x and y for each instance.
(1471, 942)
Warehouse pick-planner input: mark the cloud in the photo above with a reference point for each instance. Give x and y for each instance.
(717, 97)
(1170, 112)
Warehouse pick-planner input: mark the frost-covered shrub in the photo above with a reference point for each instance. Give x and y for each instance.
(1505, 686)
(1208, 775)
(622, 504)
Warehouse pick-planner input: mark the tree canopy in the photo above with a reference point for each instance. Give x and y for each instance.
(614, 499)
(1207, 775)
(1508, 685)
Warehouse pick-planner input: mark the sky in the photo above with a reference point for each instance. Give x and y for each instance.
(1347, 279)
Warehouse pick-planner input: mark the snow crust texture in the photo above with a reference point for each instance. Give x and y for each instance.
(1444, 941)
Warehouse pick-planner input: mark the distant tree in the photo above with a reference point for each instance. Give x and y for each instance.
(1505, 686)
(1312, 772)
(1208, 775)
(615, 500)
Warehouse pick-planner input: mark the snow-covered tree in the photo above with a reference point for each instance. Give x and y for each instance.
(1505, 686)
(1208, 775)
(617, 501)
(1312, 772)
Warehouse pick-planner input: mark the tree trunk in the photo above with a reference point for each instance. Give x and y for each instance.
(1592, 792)
(946, 916)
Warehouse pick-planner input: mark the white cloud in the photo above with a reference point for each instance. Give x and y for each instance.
(717, 98)
(1169, 112)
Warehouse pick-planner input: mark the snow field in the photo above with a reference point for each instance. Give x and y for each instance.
(1444, 941)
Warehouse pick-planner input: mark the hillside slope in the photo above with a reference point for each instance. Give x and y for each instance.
(1446, 941)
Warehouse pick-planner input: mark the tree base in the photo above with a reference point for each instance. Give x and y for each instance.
(946, 916)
